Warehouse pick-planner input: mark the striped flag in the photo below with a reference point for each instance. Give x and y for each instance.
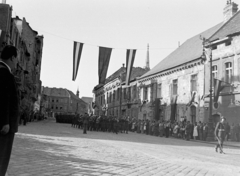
(103, 62)
(77, 51)
(218, 87)
(129, 63)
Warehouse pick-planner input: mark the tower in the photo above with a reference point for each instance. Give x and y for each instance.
(147, 66)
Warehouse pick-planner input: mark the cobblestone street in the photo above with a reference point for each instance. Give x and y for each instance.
(48, 148)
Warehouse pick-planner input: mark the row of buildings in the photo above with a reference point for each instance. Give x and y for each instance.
(179, 86)
(62, 101)
(18, 32)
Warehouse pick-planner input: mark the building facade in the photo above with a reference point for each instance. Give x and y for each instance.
(225, 48)
(17, 32)
(61, 101)
(114, 98)
(175, 88)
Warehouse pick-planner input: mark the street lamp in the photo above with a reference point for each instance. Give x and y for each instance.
(210, 136)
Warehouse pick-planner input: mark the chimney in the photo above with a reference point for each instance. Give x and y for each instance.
(229, 10)
(123, 65)
(147, 66)
(3, 1)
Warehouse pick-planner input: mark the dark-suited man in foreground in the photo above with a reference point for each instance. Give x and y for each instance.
(9, 105)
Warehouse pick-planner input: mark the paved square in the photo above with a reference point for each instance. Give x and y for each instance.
(48, 148)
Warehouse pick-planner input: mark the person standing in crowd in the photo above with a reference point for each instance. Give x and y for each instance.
(200, 130)
(220, 134)
(195, 131)
(205, 131)
(227, 131)
(187, 130)
(85, 123)
(238, 133)
(232, 132)
(9, 105)
(167, 126)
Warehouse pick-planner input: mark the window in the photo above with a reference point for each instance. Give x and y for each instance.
(117, 94)
(214, 72)
(56, 107)
(124, 93)
(175, 87)
(134, 92)
(228, 72)
(52, 100)
(129, 93)
(57, 100)
(52, 107)
(194, 83)
(145, 93)
(107, 98)
(159, 91)
(114, 94)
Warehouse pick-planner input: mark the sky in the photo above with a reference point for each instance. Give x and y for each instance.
(117, 24)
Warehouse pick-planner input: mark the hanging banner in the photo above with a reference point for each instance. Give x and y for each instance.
(129, 63)
(103, 62)
(77, 51)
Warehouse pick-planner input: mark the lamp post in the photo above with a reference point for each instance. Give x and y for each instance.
(210, 135)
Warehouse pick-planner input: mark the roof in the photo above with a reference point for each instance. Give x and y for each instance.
(5, 14)
(87, 99)
(136, 72)
(232, 26)
(75, 96)
(190, 50)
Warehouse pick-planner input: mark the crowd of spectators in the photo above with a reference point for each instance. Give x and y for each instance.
(181, 129)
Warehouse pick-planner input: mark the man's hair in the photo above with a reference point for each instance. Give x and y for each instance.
(8, 51)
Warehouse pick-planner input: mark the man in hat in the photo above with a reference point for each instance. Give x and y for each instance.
(220, 134)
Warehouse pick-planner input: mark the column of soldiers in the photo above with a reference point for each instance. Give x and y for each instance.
(101, 123)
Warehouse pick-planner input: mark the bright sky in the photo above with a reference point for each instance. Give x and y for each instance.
(118, 24)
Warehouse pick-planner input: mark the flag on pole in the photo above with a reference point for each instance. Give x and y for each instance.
(129, 63)
(218, 87)
(103, 62)
(77, 51)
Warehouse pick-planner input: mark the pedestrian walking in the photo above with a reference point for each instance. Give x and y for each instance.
(9, 105)
(220, 134)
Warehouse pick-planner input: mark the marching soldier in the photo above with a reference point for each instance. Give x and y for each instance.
(220, 134)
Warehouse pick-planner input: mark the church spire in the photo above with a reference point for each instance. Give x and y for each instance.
(147, 67)
(77, 92)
